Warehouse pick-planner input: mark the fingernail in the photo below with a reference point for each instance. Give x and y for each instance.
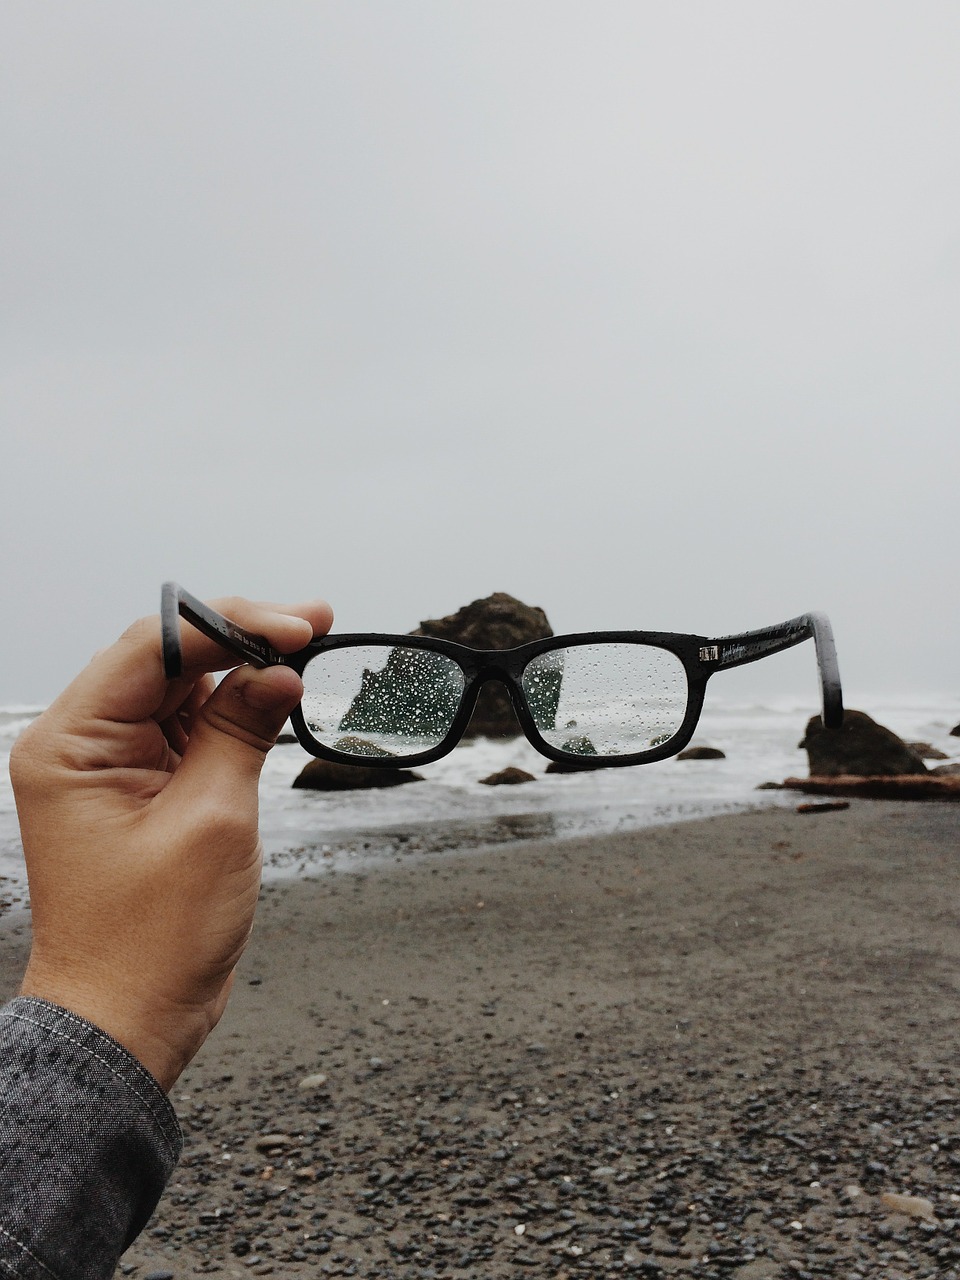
(285, 619)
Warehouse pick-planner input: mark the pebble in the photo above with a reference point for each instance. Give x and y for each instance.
(912, 1206)
(644, 1162)
(316, 1081)
(272, 1141)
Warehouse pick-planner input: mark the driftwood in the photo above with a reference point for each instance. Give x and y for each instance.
(902, 786)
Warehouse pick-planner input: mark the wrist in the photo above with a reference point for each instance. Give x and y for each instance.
(163, 1042)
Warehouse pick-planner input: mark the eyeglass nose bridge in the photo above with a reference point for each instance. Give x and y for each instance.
(492, 667)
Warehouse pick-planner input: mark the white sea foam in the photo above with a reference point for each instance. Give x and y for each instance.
(306, 832)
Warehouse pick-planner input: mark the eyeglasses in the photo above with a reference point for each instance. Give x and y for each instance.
(596, 698)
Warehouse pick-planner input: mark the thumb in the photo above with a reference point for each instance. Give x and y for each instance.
(237, 726)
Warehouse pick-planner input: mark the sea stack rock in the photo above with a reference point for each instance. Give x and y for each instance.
(499, 621)
(860, 747)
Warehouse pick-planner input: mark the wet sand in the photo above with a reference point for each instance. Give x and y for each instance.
(706, 1049)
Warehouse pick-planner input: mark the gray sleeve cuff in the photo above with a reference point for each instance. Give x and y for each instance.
(88, 1141)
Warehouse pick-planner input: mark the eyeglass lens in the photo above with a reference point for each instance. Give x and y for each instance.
(606, 699)
(381, 700)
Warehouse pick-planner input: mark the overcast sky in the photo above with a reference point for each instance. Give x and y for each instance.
(647, 313)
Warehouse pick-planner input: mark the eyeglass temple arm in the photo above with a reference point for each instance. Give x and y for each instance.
(734, 651)
(176, 603)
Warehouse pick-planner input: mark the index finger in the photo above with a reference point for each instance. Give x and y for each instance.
(126, 682)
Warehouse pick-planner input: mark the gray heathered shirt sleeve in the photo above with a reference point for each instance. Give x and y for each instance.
(87, 1143)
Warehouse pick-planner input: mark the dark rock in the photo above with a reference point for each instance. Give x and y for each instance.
(421, 689)
(955, 731)
(273, 1141)
(823, 806)
(769, 786)
(509, 777)
(860, 747)
(928, 752)
(945, 771)
(351, 745)
(702, 753)
(287, 739)
(414, 688)
(499, 621)
(572, 766)
(326, 775)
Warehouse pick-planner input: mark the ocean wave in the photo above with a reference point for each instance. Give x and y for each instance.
(760, 741)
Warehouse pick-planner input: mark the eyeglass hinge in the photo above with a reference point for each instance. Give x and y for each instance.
(709, 653)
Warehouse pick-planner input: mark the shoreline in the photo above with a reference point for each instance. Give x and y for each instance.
(671, 1051)
(363, 848)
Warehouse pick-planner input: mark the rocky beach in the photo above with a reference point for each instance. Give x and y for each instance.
(718, 1048)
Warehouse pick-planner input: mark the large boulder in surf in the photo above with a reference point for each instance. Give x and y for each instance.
(329, 775)
(499, 621)
(859, 748)
(413, 681)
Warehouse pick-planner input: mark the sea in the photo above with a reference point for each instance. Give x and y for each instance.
(451, 812)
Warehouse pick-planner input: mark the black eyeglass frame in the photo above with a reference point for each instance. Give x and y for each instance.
(701, 657)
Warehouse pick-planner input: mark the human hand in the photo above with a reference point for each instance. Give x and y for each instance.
(138, 807)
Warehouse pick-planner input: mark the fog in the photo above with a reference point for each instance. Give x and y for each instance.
(644, 313)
